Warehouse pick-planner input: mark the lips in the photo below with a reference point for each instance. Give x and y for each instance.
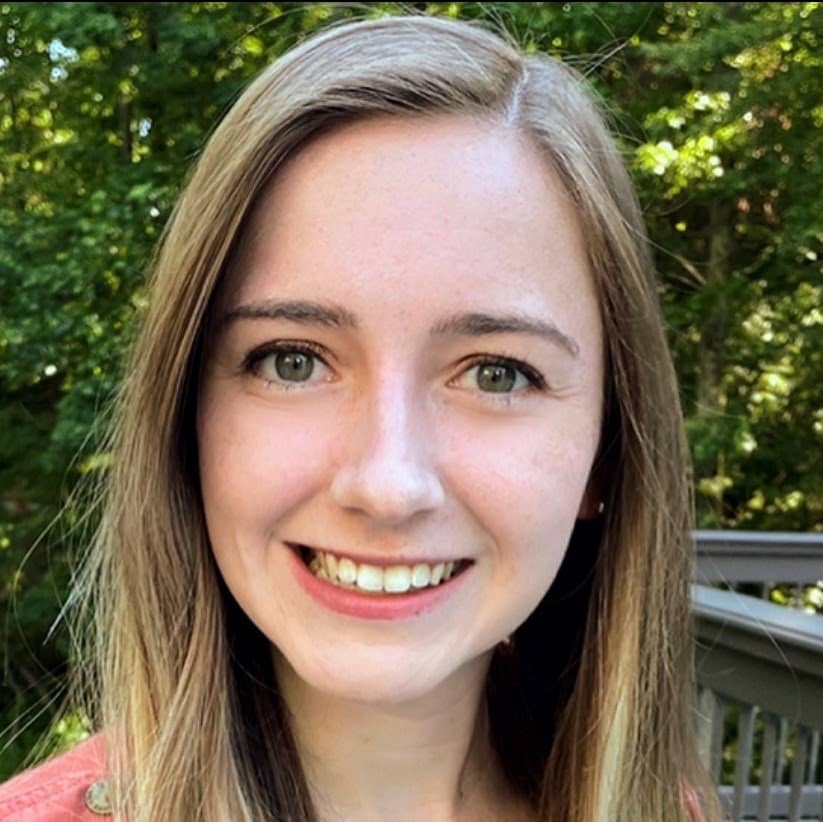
(370, 591)
(372, 578)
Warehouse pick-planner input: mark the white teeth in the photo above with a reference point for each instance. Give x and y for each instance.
(369, 578)
(395, 579)
(420, 575)
(347, 571)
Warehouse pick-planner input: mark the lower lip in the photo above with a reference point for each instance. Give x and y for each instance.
(372, 606)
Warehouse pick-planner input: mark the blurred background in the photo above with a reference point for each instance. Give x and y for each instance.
(104, 106)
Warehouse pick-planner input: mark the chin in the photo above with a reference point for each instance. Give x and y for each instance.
(380, 676)
(368, 674)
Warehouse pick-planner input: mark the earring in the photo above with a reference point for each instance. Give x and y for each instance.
(601, 507)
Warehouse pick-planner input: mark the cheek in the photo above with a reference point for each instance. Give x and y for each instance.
(535, 467)
(256, 464)
(524, 486)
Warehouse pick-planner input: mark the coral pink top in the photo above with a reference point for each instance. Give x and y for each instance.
(71, 786)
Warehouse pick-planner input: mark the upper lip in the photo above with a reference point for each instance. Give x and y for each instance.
(382, 561)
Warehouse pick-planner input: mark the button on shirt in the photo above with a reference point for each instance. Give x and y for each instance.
(70, 786)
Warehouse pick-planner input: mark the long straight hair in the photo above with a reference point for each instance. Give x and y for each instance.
(590, 726)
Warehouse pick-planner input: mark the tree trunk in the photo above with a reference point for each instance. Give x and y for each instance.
(711, 393)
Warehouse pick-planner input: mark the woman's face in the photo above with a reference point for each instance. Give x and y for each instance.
(408, 372)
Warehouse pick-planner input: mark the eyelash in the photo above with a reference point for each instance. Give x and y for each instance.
(537, 383)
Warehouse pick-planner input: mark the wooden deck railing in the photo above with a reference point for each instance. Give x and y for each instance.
(760, 675)
(736, 557)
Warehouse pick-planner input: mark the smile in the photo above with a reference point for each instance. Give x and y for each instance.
(366, 578)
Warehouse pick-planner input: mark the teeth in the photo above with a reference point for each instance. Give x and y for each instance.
(316, 564)
(369, 578)
(420, 575)
(346, 571)
(395, 579)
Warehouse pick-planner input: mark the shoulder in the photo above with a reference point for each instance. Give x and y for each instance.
(69, 786)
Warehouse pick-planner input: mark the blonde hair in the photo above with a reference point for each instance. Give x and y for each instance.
(593, 729)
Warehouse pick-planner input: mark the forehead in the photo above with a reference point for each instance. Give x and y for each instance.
(414, 212)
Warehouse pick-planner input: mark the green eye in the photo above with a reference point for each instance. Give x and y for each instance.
(496, 377)
(502, 378)
(288, 365)
(293, 366)
(284, 366)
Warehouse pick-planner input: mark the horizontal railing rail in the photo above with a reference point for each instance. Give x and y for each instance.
(751, 648)
(758, 557)
(760, 679)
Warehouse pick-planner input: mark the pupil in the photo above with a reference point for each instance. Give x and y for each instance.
(293, 366)
(497, 378)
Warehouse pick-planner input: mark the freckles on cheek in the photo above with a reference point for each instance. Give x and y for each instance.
(515, 472)
(257, 462)
(523, 490)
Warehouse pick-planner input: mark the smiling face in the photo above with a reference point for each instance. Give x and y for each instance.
(407, 369)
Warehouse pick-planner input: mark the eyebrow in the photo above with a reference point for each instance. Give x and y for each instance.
(471, 324)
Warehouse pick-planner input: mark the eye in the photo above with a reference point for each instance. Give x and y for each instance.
(285, 365)
(288, 365)
(505, 376)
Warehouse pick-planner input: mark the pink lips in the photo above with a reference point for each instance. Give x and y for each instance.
(371, 606)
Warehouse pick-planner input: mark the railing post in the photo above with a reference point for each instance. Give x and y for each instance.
(767, 660)
(709, 730)
(801, 747)
(771, 725)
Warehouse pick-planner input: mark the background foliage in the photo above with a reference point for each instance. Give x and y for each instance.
(103, 107)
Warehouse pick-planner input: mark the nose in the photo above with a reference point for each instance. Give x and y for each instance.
(388, 470)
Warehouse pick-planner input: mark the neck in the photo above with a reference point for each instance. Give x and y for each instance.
(428, 759)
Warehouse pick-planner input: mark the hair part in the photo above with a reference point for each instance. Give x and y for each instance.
(593, 727)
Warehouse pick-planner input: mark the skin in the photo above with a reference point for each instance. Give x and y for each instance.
(398, 445)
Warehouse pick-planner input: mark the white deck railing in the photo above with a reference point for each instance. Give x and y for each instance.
(760, 675)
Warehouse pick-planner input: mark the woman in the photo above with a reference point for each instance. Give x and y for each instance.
(398, 524)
